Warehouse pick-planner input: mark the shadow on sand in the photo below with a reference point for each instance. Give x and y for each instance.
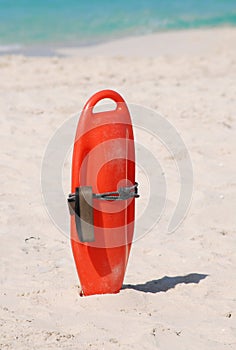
(165, 283)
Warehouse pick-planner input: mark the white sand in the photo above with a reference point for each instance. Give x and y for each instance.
(190, 78)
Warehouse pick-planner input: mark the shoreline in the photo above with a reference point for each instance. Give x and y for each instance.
(168, 42)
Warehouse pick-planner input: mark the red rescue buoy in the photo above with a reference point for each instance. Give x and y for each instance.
(102, 202)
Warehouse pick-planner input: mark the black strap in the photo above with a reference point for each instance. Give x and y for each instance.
(81, 205)
(123, 193)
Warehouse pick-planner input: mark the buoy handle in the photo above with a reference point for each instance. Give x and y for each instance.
(101, 95)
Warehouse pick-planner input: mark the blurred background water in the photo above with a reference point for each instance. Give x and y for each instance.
(77, 22)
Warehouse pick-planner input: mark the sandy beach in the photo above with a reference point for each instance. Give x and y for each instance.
(179, 288)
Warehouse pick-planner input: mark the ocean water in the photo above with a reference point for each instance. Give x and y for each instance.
(81, 22)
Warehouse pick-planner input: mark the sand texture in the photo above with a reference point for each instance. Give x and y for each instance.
(179, 289)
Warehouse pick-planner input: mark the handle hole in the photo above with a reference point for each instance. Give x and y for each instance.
(105, 105)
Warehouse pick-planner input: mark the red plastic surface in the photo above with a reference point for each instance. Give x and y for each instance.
(104, 158)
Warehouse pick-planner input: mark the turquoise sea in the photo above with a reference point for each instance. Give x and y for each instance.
(78, 22)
